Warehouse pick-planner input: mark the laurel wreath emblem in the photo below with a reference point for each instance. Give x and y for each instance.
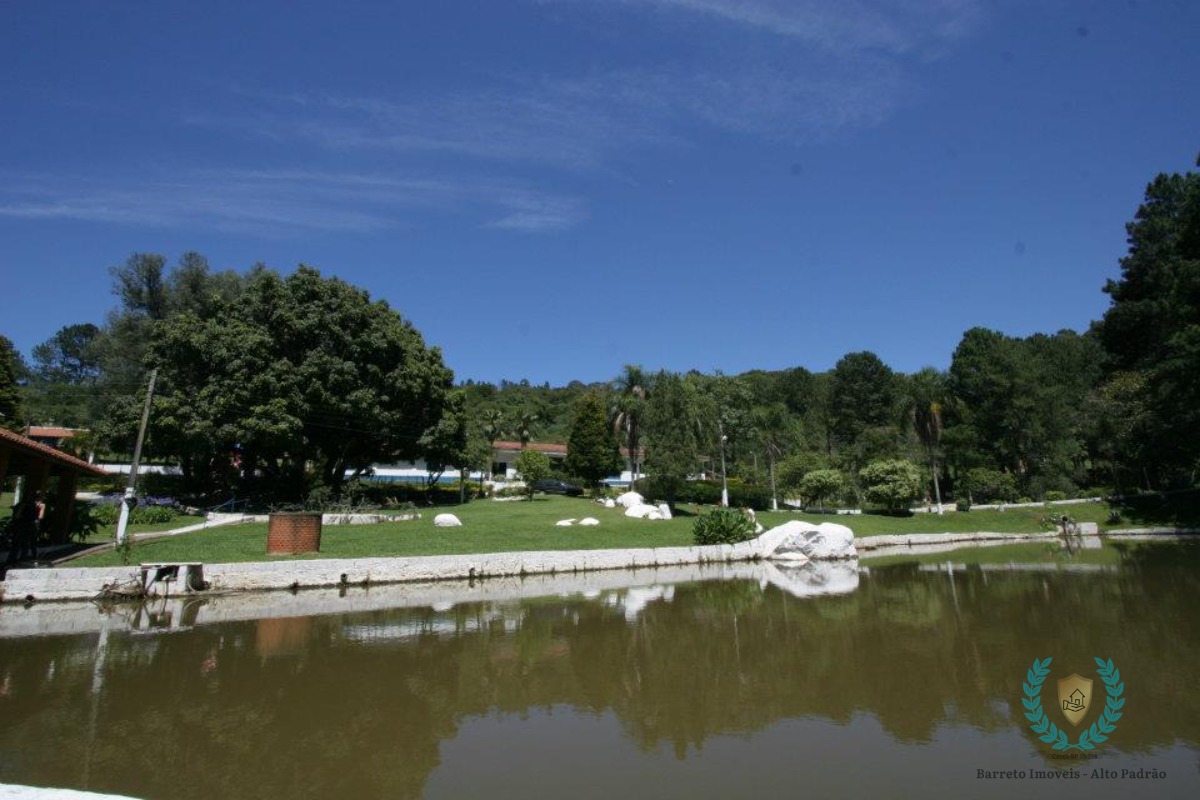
(1048, 732)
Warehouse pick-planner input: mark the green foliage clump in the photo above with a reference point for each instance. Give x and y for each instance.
(672, 451)
(533, 466)
(820, 484)
(705, 493)
(989, 485)
(723, 526)
(109, 514)
(592, 453)
(10, 398)
(1054, 495)
(892, 484)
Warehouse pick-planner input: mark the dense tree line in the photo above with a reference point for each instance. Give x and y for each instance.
(295, 380)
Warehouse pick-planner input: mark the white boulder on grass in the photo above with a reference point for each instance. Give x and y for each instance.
(800, 541)
(664, 511)
(446, 521)
(640, 511)
(589, 521)
(565, 523)
(631, 499)
(654, 515)
(610, 503)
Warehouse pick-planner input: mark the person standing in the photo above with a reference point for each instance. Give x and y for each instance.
(24, 525)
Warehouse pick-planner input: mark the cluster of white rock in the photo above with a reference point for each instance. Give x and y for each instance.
(566, 523)
(636, 506)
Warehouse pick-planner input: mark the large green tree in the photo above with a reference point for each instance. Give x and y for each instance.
(592, 452)
(672, 453)
(1019, 405)
(862, 408)
(11, 416)
(301, 380)
(1153, 324)
(64, 382)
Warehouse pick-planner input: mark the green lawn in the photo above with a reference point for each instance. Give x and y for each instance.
(518, 525)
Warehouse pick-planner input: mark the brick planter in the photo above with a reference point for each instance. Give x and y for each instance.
(293, 533)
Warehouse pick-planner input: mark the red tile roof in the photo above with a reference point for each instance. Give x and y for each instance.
(542, 447)
(50, 432)
(38, 450)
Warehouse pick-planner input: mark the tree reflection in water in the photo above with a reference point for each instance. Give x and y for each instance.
(358, 705)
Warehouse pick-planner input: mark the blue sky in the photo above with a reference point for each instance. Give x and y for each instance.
(550, 189)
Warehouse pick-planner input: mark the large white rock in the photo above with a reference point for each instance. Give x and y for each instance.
(641, 511)
(664, 511)
(654, 515)
(589, 521)
(630, 499)
(446, 521)
(565, 523)
(610, 503)
(800, 541)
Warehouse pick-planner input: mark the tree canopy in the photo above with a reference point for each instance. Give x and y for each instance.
(299, 371)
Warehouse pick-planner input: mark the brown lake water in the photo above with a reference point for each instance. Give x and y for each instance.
(900, 682)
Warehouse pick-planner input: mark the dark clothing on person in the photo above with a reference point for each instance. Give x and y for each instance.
(24, 528)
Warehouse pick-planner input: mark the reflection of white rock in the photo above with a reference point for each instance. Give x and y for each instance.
(814, 578)
(446, 521)
(565, 523)
(636, 598)
(589, 521)
(630, 499)
(641, 511)
(1091, 543)
(1088, 528)
(610, 503)
(664, 511)
(800, 541)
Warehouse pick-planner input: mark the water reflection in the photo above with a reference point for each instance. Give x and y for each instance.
(891, 661)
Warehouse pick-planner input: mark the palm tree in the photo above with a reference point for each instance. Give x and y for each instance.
(491, 428)
(524, 429)
(771, 424)
(629, 411)
(927, 392)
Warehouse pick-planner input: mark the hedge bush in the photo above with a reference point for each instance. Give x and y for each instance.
(708, 493)
(723, 526)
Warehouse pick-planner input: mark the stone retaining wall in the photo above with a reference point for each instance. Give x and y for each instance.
(83, 583)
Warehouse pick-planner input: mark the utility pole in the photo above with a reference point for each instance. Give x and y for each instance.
(724, 480)
(130, 488)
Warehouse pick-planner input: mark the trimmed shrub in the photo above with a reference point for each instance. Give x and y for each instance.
(1054, 495)
(892, 484)
(989, 485)
(723, 526)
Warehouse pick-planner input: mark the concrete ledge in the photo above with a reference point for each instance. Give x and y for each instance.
(9, 791)
(868, 543)
(85, 583)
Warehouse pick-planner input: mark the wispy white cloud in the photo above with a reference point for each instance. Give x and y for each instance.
(850, 72)
(282, 201)
(838, 25)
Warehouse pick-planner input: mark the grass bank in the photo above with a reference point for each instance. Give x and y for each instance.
(491, 527)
